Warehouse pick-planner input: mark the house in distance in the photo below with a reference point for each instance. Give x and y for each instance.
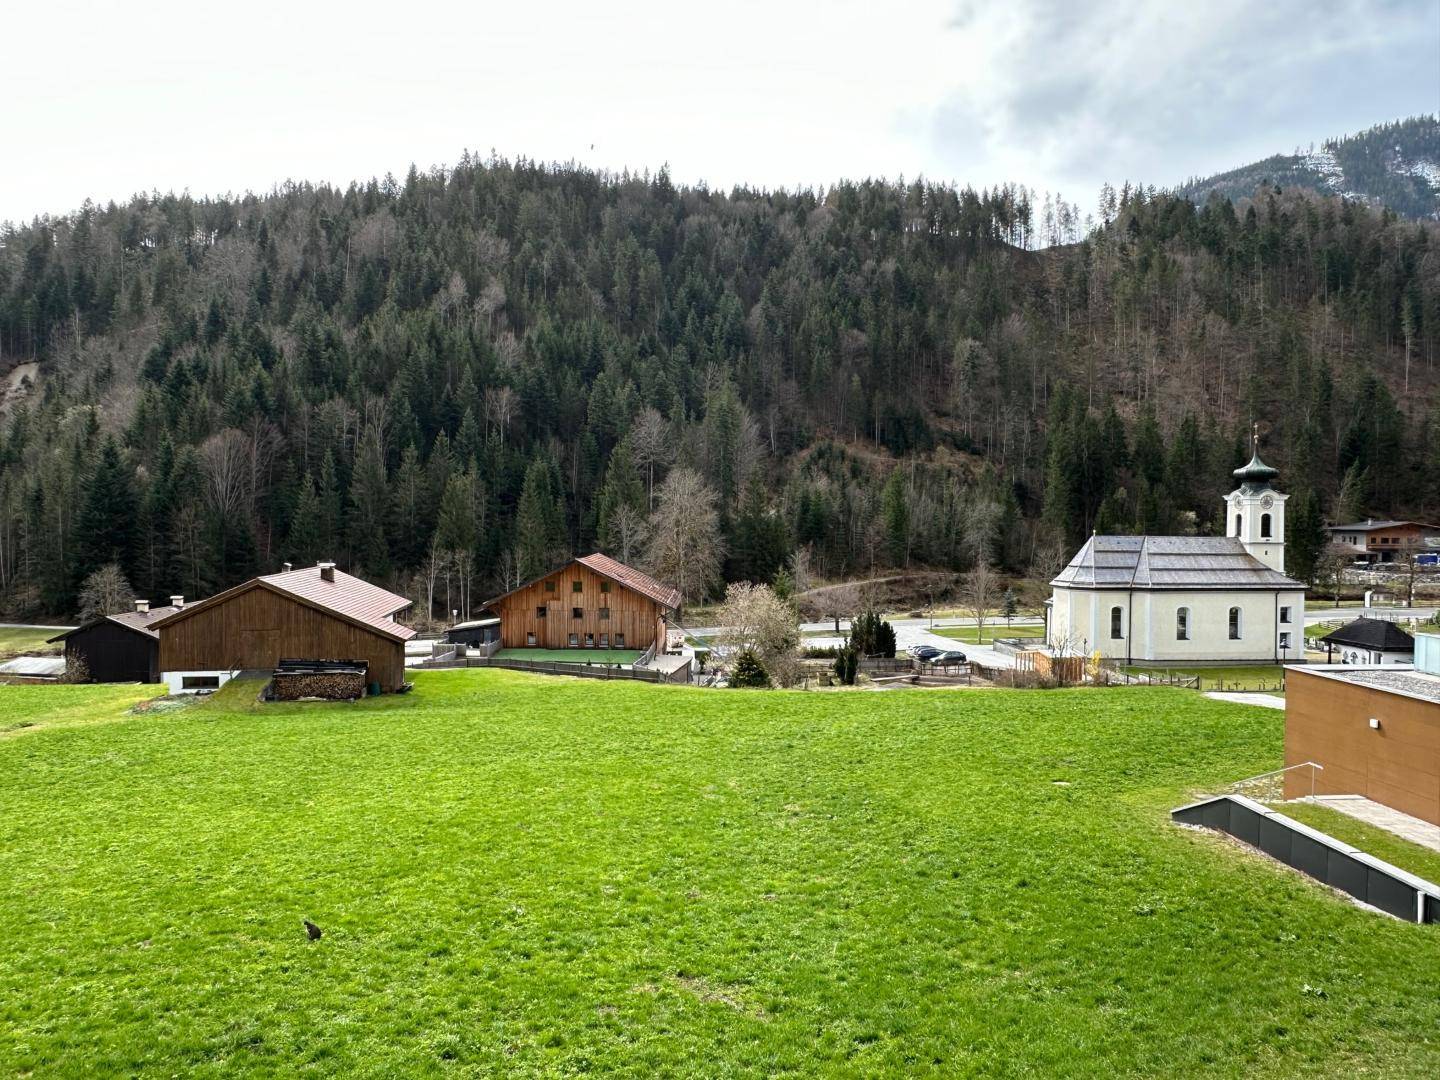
(124, 647)
(315, 613)
(1187, 599)
(593, 602)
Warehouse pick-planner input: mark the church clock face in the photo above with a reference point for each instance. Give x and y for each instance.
(1266, 503)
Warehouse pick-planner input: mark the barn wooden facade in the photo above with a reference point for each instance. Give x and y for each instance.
(314, 613)
(593, 602)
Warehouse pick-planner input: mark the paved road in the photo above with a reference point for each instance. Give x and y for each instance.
(909, 632)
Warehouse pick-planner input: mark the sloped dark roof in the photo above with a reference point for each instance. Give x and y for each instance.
(1377, 634)
(351, 598)
(141, 622)
(1169, 562)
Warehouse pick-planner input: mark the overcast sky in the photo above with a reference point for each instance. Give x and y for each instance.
(102, 99)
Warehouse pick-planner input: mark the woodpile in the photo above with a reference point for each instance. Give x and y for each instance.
(325, 680)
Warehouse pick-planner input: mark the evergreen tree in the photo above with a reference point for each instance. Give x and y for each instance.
(105, 528)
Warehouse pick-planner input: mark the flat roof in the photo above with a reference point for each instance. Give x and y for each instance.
(1400, 679)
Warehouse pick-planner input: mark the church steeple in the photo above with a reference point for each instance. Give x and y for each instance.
(1255, 511)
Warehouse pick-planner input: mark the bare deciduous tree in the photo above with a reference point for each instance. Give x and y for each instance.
(685, 548)
(105, 592)
(753, 618)
(628, 527)
(650, 444)
(501, 405)
(978, 593)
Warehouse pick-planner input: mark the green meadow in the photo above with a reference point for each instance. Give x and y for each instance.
(523, 875)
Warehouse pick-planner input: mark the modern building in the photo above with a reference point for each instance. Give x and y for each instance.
(1373, 730)
(1384, 541)
(1187, 599)
(1370, 641)
(315, 613)
(120, 648)
(593, 602)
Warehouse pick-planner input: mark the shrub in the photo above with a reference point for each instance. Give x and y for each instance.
(749, 672)
(871, 635)
(847, 660)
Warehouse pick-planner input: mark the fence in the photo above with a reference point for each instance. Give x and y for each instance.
(552, 667)
(1064, 669)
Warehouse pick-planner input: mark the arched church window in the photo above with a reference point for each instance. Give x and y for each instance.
(1234, 624)
(1237, 524)
(1182, 624)
(1265, 525)
(1116, 622)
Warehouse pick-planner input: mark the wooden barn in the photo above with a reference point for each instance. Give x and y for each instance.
(315, 613)
(120, 648)
(593, 602)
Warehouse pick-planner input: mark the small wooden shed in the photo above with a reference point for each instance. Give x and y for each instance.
(120, 648)
(306, 614)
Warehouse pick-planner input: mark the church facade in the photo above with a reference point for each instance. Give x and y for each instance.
(1187, 599)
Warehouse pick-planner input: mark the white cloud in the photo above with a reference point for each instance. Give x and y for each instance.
(104, 99)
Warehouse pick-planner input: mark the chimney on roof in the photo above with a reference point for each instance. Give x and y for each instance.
(142, 606)
(177, 601)
(327, 571)
(286, 567)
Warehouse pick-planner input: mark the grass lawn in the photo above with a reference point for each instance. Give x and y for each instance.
(992, 631)
(572, 656)
(24, 641)
(523, 875)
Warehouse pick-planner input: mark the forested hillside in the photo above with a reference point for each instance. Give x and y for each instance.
(450, 382)
(1396, 165)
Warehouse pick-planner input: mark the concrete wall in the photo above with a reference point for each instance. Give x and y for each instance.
(1148, 623)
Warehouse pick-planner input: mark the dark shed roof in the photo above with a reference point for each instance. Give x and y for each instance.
(138, 621)
(1377, 634)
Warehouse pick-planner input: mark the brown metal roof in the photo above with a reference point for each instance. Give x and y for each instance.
(139, 621)
(631, 578)
(617, 572)
(349, 597)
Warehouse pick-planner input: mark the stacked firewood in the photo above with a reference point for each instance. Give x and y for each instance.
(326, 685)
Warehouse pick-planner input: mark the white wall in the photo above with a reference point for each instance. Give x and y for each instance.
(175, 680)
(1148, 620)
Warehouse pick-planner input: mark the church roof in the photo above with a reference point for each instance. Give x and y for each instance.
(1169, 562)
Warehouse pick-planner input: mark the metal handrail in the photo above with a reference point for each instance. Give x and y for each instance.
(1313, 766)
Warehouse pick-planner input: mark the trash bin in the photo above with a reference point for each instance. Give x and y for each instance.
(374, 689)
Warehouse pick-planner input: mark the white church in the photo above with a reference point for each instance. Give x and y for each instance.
(1187, 599)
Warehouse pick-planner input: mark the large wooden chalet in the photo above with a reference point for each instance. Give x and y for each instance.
(593, 602)
(314, 613)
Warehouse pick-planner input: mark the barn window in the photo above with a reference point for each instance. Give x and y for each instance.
(1265, 525)
(540, 612)
(200, 682)
(574, 640)
(530, 637)
(589, 641)
(604, 586)
(604, 641)
(1116, 622)
(1182, 624)
(619, 641)
(575, 586)
(577, 613)
(604, 613)
(1234, 624)
(549, 586)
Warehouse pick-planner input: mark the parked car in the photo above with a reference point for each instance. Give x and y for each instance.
(953, 656)
(924, 652)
